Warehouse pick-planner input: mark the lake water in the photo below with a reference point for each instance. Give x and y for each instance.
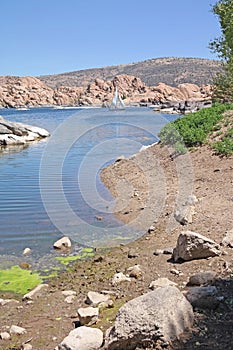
(52, 188)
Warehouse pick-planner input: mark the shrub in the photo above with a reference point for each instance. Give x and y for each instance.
(192, 130)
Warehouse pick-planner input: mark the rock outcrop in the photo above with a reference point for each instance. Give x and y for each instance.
(30, 91)
(24, 91)
(12, 133)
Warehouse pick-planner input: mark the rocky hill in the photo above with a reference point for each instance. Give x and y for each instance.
(30, 91)
(171, 71)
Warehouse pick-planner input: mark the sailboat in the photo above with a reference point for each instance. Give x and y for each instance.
(117, 102)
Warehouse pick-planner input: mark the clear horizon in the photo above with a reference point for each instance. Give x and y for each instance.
(47, 37)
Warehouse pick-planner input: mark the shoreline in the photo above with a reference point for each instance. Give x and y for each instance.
(212, 185)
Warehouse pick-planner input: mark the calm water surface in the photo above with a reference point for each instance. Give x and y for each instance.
(24, 220)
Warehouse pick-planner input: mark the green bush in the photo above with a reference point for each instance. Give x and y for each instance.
(192, 130)
(224, 147)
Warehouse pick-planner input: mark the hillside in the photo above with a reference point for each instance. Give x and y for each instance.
(171, 71)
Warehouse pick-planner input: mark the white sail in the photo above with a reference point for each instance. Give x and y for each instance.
(117, 102)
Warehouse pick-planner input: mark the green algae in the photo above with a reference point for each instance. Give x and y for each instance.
(84, 253)
(66, 260)
(18, 281)
(87, 250)
(49, 273)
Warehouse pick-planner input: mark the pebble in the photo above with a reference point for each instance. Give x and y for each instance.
(132, 254)
(17, 330)
(119, 278)
(135, 271)
(26, 347)
(158, 252)
(70, 299)
(175, 272)
(5, 336)
(68, 293)
(168, 250)
(151, 229)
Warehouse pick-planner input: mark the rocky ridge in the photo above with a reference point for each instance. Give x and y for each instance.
(29, 91)
(170, 70)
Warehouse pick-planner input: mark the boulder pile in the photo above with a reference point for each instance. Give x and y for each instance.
(30, 91)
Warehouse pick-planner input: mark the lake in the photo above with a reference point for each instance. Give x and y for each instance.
(52, 187)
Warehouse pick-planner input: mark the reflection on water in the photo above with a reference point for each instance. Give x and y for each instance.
(12, 149)
(23, 218)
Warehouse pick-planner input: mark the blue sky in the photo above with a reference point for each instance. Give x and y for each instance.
(47, 36)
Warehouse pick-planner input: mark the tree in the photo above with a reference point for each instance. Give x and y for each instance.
(223, 46)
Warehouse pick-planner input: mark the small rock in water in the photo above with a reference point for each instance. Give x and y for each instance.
(27, 251)
(25, 266)
(151, 229)
(62, 243)
(99, 218)
(120, 158)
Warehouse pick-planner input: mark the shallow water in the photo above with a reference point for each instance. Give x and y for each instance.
(52, 187)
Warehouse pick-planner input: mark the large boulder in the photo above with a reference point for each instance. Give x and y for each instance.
(191, 245)
(12, 133)
(82, 338)
(161, 314)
